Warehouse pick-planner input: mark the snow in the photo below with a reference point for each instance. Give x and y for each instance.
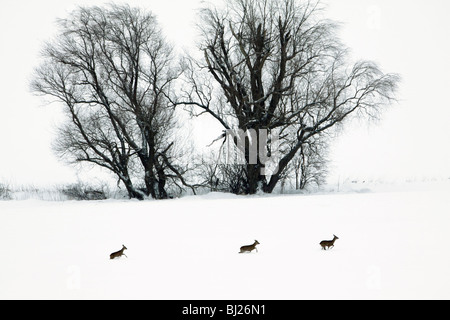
(392, 245)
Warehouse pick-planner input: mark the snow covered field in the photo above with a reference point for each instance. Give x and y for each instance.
(392, 245)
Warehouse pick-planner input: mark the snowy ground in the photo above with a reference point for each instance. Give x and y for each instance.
(392, 245)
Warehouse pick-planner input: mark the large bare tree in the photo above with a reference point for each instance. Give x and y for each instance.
(277, 65)
(113, 72)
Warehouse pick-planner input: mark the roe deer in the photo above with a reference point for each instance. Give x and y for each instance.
(118, 253)
(328, 243)
(249, 248)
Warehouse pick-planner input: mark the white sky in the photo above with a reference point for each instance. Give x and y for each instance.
(411, 38)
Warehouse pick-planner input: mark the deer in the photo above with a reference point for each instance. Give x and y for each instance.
(328, 243)
(249, 248)
(118, 253)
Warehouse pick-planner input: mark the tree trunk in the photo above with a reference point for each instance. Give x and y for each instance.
(132, 192)
(252, 178)
(162, 193)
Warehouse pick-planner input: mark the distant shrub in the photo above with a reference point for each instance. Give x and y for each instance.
(5, 192)
(80, 191)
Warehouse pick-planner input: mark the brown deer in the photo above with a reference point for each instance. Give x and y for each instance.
(328, 243)
(118, 253)
(249, 248)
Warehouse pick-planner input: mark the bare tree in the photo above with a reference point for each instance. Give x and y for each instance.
(309, 165)
(113, 71)
(276, 65)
